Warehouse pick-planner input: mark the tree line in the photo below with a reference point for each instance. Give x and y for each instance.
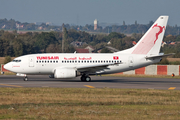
(14, 44)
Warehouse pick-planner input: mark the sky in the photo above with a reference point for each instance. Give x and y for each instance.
(82, 12)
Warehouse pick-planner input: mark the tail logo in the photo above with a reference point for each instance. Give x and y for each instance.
(160, 31)
(149, 40)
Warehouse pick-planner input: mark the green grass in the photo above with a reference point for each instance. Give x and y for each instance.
(85, 103)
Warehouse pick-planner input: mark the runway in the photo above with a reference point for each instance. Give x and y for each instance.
(97, 82)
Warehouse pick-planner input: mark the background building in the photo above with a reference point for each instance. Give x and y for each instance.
(95, 24)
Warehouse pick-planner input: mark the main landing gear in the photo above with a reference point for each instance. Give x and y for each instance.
(85, 78)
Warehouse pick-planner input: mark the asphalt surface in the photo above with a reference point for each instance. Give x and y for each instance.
(97, 82)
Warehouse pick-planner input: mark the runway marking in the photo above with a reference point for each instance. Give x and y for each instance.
(171, 88)
(10, 85)
(89, 86)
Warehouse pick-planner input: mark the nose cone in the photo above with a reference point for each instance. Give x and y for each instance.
(8, 66)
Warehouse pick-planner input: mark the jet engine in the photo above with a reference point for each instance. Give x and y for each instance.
(65, 73)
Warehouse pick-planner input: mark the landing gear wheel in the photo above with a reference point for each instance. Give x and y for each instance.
(85, 78)
(88, 79)
(26, 79)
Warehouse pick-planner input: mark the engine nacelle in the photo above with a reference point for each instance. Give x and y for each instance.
(65, 73)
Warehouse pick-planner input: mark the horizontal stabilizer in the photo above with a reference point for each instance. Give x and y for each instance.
(159, 56)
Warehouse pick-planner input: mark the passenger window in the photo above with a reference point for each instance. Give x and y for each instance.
(62, 61)
(72, 61)
(87, 61)
(79, 61)
(50, 61)
(67, 61)
(45, 61)
(75, 61)
(56, 61)
(37, 61)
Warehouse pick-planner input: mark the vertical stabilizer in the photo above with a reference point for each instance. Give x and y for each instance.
(150, 43)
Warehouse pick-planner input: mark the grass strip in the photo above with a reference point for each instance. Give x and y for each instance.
(86, 103)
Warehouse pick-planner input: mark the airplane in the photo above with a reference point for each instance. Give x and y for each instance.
(71, 65)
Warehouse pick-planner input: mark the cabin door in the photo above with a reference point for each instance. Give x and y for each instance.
(31, 61)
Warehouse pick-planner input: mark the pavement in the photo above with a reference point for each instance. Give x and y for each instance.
(97, 82)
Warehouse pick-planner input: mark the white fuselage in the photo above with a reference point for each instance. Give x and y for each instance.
(47, 63)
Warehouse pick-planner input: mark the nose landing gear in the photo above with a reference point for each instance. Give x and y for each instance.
(26, 78)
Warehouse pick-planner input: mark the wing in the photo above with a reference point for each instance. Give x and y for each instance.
(93, 68)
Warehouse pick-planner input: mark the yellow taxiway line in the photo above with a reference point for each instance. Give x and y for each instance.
(171, 88)
(89, 86)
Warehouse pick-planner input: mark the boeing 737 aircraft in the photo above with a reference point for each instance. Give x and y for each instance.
(70, 65)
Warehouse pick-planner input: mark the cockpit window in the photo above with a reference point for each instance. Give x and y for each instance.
(16, 61)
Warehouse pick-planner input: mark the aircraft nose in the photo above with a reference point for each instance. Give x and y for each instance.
(7, 66)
